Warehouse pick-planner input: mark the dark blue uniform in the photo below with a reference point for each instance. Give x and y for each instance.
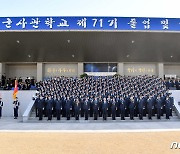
(131, 108)
(58, 104)
(109, 107)
(150, 104)
(172, 104)
(1, 105)
(49, 107)
(159, 107)
(82, 108)
(91, 106)
(40, 106)
(35, 105)
(77, 107)
(136, 106)
(16, 107)
(100, 107)
(167, 107)
(127, 101)
(140, 108)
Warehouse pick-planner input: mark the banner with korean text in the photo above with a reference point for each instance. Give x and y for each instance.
(89, 23)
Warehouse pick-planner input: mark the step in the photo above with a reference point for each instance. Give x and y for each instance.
(100, 120)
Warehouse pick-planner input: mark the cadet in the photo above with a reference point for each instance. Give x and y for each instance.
(82, 106)
(140, 107)
(1, 105)
(40, 106)
(64, 106)
(127, 101)
(49, 106)
(167, 107)
(159, 107)
(150, 107)
(77, 107)
(100, 106)
(58, 104)
(68, 107)
(172, 104)
(163, 100)
(35, 104)
(136, 99)
(109, 105)
(95, 108)
(104, 108)
(16, 107)
(91, 106)
(54, 106)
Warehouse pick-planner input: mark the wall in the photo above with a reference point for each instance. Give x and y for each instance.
(21, 70)
(76, 69)
(24, 97)
(134, 69)
(60, 69)
(172, 69)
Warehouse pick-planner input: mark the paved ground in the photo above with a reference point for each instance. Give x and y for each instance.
(125, 137)
(11, 124)
(87, 143)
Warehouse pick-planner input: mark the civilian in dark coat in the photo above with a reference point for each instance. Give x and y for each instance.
(77, 107)
(86, 107)
(95, 108)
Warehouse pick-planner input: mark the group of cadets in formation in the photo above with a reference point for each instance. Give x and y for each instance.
(103, 97)
(173, 83)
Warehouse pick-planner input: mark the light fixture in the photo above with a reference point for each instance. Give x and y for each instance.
(73, 56)
(68, 41)
(171, 56)
(127, 56)
(29, 56)
(18, 41)
(132, 41)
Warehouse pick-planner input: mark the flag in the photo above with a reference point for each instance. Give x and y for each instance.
(15, 89)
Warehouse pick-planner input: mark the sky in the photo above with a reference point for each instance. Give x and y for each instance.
(118, 8)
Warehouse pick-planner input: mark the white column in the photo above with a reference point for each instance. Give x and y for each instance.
(40, 71)
(161, 70)
(120, 69)
(2, 69)
(80, 69)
